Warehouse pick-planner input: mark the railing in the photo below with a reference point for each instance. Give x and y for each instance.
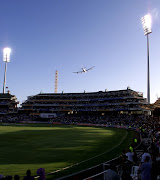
(99, 176)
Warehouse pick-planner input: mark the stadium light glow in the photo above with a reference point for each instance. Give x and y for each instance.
(6, 58)
(6, 54)
(146, 24)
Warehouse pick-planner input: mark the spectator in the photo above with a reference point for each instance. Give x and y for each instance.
(8, 178)
(144, 156)
(131, 148)
(123, 157)
(129, 155)
(1, 177)
(16, 177)
(111, 174)
(145, 169)
(28, 177)
(135, 141)
(135, 158)
(41, 173)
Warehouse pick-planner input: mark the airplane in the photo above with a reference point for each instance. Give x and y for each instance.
(84, 70)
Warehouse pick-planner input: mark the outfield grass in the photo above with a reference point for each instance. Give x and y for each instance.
(55, 147)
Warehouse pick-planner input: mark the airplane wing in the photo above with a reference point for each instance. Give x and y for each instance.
(90, 68)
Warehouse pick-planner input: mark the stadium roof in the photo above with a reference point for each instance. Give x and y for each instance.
(104, 92)
(5, 96)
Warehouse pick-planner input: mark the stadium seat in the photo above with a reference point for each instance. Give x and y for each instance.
(134, 172)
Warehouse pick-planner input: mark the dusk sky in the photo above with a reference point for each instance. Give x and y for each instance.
(66, 35)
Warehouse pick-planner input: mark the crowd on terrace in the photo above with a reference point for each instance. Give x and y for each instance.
(132, 121)
(14, 118)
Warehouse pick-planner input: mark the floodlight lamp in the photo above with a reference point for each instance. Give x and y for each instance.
(146, 23)
(6, 54)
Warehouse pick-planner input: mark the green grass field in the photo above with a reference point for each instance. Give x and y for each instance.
(55, 147)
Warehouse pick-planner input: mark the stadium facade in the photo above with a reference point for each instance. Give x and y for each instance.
(48, 105)
(8, 104)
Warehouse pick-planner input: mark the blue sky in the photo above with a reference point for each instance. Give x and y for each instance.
(66, 35)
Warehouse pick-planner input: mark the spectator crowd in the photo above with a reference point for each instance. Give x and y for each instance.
(40, 175)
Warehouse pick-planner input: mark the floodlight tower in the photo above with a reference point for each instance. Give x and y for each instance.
(56, 81)
(146, 23)
(6, 58)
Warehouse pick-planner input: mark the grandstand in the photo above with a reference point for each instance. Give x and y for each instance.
(8, 104)
(48, 105)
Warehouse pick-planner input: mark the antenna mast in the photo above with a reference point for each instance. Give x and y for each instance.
(56, 81)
